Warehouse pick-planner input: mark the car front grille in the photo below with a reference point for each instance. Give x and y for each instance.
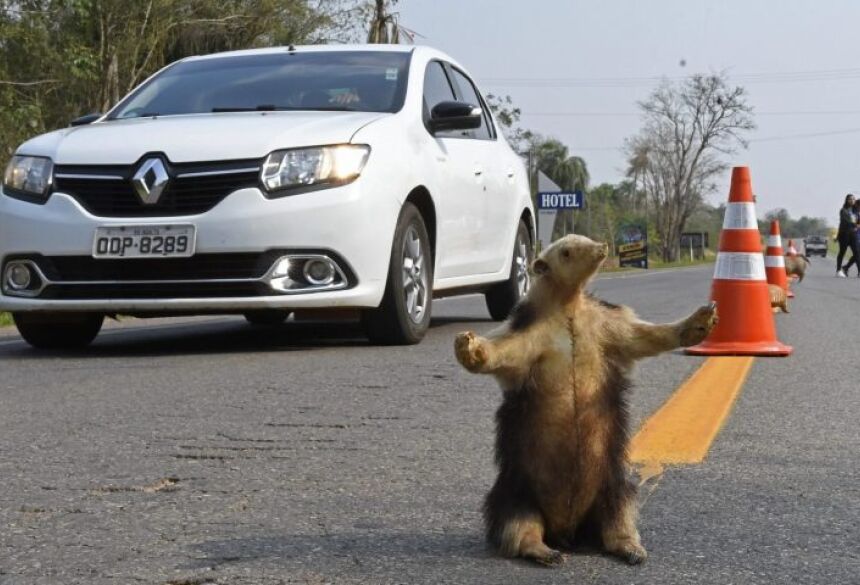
(222, 275)
(199, 267)
(155, 290)
(203, 275)
(193, 188)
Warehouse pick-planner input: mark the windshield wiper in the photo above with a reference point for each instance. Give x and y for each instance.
(260, 108)
(135, 117)
(322, 109)
(271, 108)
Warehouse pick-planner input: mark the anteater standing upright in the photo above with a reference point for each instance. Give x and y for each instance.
(562, 360)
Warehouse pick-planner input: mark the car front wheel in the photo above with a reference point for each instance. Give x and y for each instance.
(503, 297)
(58, 330)
(404, 315)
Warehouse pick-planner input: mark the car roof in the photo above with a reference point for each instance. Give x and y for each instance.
(307, 49)
(425, 51)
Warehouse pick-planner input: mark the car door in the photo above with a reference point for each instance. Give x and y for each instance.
(493, 157)
(459, 185)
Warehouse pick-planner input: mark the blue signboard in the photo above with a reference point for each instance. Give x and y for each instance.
(560, 200)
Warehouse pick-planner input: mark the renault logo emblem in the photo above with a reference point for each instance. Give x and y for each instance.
(150, 181)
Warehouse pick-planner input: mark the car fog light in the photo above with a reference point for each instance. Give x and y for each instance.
(319, 272)
(18, 276)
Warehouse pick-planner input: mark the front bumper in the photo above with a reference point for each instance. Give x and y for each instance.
(355, 229)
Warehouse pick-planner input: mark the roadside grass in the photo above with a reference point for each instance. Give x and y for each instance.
(5, 319)
(658, 264)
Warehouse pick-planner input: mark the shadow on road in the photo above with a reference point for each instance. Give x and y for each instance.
(376, 550)
(371, 548)
(221, 336)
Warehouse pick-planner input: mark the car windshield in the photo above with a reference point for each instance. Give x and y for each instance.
(362, 81)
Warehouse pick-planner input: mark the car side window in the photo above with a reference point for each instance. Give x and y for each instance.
(437, 89)
(470, 95)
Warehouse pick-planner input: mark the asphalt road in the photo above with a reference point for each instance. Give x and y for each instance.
(209, 451)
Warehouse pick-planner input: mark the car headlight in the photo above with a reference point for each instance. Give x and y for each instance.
(313, 168)
(29, 176)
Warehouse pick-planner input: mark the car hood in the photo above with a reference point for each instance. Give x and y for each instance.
(200, 137)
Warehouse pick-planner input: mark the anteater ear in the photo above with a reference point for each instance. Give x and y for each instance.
(540, 267)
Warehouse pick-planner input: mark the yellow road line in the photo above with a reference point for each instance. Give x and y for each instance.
(682, 430)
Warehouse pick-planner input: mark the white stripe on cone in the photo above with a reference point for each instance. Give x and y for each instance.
(774, 262)
(774, 242)
(740, 216)
(739, 266)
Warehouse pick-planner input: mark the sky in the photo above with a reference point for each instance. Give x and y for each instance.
(577, 69)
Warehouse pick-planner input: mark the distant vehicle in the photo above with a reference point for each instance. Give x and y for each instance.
(815, 246)
(265, 182)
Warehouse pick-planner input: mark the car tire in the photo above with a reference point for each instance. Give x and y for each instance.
(58, 330)
(503, 297)
(403, 317)
(267, 317)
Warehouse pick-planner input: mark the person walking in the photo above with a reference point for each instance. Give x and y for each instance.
(855, 259)
(846, 236)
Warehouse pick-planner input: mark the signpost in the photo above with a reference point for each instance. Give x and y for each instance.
(561, 200)
(550, 200)
(694, 243)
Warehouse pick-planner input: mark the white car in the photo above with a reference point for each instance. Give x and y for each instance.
(266, 182)
(815, 245)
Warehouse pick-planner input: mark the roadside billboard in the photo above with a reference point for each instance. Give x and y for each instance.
(694, 244)
(633, 246)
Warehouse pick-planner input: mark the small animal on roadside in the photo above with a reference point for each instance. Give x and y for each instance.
(796, 266)
(778, 298)
(562, 360)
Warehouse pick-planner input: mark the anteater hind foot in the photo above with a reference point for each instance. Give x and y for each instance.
(523, 538)
(620, 536)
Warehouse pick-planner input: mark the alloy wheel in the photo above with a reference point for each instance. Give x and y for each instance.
(415, 283)
(521, 260)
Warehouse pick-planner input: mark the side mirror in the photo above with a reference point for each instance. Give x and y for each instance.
(84, 120)
(455, 116)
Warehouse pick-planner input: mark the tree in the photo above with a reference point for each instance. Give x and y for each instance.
(385, 25)
(687, 127)
(508, 117)
(553, 158)
(791, 228)
(603, 208)
(63, 58)
(781, 215)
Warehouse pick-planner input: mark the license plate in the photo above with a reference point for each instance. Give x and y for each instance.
(144, 241)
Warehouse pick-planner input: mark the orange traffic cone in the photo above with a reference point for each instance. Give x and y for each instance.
(740, 290)
(792, 251)
(774, 260)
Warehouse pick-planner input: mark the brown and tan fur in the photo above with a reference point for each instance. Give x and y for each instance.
(562, 360)
(778, 298)
(796, 266)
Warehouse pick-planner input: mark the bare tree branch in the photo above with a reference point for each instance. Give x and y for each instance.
(686, 127)
(28, 83)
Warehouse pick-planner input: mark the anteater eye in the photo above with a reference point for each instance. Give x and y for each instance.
(565, 253)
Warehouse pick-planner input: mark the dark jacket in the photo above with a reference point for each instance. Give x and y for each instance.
(847, 222)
